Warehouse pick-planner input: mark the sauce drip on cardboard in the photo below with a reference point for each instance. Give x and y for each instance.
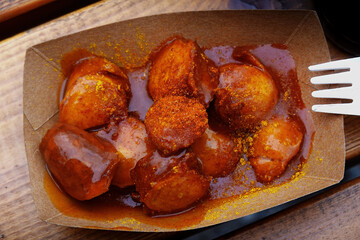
(187, 131)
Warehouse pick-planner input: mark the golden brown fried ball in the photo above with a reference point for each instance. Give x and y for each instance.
(175, 122)
(216, 152)
(91, 65)
(276, 143)
(246, 95)
(81, 163)
(130, 139)
(170, 184)
(181, 68)
(94, 100)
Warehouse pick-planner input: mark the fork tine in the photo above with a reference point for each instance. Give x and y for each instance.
(335, 65)
(335, 78)
(338, 93)
(340, 108)
(348, 77)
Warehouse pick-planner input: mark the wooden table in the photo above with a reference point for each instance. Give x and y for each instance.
(333, 214)
(11, 9)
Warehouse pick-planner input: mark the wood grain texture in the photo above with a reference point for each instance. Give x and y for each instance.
(18, 216)
(10, 9)
(320, 218)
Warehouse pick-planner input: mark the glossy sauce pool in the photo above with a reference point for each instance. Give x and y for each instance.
(118, 203)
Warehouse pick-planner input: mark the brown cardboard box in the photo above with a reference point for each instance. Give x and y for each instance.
(299, 30)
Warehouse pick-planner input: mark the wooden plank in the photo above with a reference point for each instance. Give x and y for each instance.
(10, 9)
(331, 215)
(18, 214)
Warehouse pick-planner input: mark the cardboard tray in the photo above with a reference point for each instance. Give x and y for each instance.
(300, 30)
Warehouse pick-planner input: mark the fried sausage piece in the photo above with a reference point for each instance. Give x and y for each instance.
(245, 56)
(94, 100)
(130, 139)
(175, 122)
(81, 163)
(246, 95)
(91, 65)
(274, 145)
(216, 152)
(170, 184)
(181, 68)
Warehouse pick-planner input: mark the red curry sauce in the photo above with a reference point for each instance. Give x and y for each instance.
(118, 203)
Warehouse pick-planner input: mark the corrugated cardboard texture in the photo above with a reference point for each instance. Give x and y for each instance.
(299, 30)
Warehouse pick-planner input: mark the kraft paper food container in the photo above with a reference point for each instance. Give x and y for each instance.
(127, 43)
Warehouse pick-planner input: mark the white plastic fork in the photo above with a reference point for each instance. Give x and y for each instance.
(352, 76)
